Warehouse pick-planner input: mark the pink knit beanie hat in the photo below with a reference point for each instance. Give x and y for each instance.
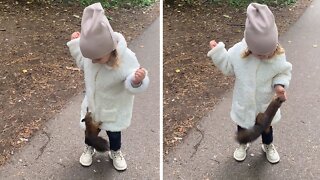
(97, 37)
(261, 33)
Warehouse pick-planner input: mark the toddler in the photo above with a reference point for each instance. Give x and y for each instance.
(259, 64)
(112, 76)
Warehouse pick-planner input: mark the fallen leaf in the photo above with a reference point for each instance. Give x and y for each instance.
(24, 139)
(178, 138)
(72, 68)
(109, 18)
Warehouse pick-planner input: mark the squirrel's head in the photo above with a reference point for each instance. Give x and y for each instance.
(280, 99)
(87, 118)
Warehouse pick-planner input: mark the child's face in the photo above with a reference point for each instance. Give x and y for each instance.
(102, 60)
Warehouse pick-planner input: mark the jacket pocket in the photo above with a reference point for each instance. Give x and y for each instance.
(108, 115)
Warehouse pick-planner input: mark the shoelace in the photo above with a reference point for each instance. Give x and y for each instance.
(270, 149)
(118, 154)
(88, 149)
(243, 146)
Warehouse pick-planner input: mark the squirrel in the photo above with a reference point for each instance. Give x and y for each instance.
(91, 134)
(263, 121)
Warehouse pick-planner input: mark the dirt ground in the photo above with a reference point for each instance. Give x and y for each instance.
(192, 84)
(37, 74)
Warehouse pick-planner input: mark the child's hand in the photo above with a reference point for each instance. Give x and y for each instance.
(280, 92)
(213, 44)
(139, 75)
(75, 35)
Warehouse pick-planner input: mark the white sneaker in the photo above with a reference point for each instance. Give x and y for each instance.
(271, 153)
(86, 156)
(240, 153)
(118, 160)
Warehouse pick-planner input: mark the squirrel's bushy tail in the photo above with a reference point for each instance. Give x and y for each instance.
(97, 143)
(249, 135)
(263, 121)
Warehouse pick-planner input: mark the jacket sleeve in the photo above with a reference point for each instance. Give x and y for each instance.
(136, 89)
(284, 75)
(75, 52)
(220, 58)
(131, 61)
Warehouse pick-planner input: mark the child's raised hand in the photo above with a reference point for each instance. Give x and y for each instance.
(281, 92)
(75, 35)
(139, 75)
(213, 44)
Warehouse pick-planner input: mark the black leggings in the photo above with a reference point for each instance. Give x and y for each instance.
(114, 140)
(267, 138)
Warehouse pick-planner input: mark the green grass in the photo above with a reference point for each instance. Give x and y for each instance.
(237, 3)
(118, 3)
(268, 2)
(104, 3)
